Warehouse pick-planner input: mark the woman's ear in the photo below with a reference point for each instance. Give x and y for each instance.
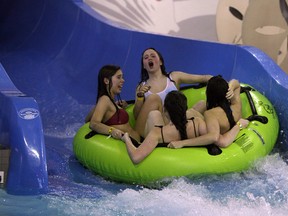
(106, 81)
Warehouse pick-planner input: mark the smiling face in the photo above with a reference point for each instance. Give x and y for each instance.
(117, 83)
(151, 60)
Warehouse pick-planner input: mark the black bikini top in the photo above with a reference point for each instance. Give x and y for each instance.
(164, 144)
(228, 112)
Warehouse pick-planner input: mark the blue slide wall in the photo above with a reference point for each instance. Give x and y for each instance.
(52, 50)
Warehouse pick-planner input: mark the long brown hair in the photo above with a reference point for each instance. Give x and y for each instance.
(176, 105)
(107, 71)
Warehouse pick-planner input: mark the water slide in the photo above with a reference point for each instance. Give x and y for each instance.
(50, 53)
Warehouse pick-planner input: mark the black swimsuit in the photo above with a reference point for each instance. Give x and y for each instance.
(163, 144)
(230, 117)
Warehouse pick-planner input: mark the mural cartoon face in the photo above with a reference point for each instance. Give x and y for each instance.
(229, 20)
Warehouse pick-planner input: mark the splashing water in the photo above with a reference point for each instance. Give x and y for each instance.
(261, 190)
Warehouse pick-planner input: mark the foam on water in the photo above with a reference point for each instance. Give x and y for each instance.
(259, 191)
(262, 190)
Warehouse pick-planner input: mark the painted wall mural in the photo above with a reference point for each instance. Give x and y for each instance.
(259, 23)
(180, 18)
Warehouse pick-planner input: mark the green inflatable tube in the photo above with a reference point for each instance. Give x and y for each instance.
(109, 157)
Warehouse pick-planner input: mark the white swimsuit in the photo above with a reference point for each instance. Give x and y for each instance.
(170, 86)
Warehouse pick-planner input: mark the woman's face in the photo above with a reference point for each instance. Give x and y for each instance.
(151, 60)
(117, 83)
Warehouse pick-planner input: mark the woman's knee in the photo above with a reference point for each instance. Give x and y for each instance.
(200, 106)
(154, 100)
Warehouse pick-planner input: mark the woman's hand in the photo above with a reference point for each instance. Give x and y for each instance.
(244, 122)
(230, 93)
(175, 145)
(117, 134)
(142, 90)
(125, 137)
(233, 85)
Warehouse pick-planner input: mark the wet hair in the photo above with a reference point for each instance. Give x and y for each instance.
(216, 91)
(107, 71)
(144, 73)
(176, 105)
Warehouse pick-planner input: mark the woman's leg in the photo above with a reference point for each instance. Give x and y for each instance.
(154, 118)
(200, 106)
(197, 110)
(152, 102)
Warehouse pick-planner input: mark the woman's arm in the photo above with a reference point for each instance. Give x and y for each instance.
(181, 77)
(227, 138)
(139, 98)
(138, 103)
(96, 124)
(212, 135)
(137, 155)
(233, 93)
(197, 141)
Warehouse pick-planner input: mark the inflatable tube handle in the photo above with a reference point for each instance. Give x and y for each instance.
(247, 90)
(254, 116)
(262, 119)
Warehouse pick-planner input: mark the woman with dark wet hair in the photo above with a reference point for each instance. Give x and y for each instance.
(109, 116)
(224, 109)
(155, 84)
(178, 128)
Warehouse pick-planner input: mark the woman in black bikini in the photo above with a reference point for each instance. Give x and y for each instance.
(109, 117)
(224, 109)
(178, 128)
